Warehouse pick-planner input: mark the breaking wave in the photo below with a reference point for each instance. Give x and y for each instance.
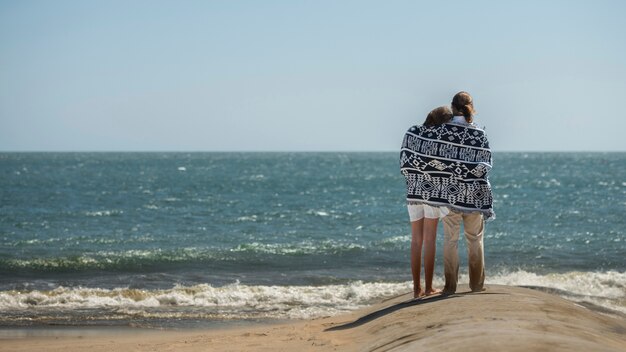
(240, 301)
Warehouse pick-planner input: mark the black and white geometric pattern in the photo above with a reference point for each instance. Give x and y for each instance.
(448, 165)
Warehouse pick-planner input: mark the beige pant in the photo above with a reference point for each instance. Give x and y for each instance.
(474, 227)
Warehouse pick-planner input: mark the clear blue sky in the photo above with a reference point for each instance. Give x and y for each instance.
(307, 75)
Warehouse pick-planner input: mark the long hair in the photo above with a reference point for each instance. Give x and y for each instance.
(463, 104)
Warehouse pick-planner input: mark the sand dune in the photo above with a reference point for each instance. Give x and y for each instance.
(502, 318)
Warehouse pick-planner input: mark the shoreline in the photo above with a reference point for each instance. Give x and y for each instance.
(500, 318)
(56, 331)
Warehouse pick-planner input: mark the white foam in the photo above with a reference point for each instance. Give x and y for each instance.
(107, 258)
(306, 247)
(396, 239)
(607, 289)
(259, 301)
(610, 284)
(252, 218)
(104, 212)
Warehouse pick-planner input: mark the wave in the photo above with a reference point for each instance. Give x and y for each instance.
(309, 247)
(609, 284)
(606, 289)
(110, 260)
(235, 301)
(240, 301)
(113, 212)
(143, 258)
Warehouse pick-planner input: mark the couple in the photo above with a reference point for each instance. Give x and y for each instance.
(446, 163)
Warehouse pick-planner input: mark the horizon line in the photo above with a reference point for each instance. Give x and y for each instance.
(288, 151)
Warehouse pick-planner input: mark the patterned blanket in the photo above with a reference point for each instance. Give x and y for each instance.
(448, 165)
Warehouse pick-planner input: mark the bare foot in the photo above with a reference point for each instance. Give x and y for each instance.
(432, 291)
(418, 292)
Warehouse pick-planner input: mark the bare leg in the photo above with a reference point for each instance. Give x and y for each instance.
(430, 248)
(416, 255)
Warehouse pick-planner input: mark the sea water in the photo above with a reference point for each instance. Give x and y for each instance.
(186, 239)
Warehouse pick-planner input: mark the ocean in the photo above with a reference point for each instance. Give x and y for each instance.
(194, 239)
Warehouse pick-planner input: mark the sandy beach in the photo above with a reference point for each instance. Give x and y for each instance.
(502, 318)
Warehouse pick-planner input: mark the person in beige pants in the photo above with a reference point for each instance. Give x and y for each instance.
(473, 223)
(474, 227)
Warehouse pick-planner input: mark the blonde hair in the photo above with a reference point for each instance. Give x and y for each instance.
(463, 104)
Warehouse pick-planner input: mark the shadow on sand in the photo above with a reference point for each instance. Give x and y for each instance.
(413, 302)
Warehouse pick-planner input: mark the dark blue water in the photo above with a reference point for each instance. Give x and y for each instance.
(202, 235)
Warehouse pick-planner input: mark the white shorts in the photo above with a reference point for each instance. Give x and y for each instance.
(419, 211)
